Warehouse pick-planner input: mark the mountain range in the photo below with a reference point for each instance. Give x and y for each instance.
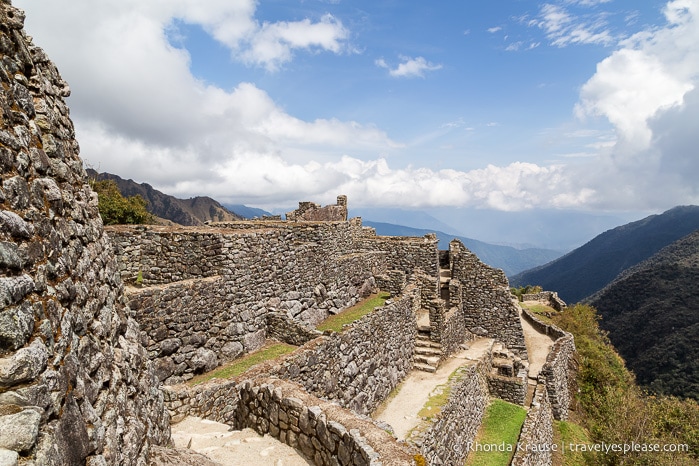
(589, 268)
(507, 258)
(193, 211)
(651, 313)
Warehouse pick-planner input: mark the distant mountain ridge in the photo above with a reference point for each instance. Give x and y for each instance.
(193, 211)
(589, 268)
(247, 212)
(651, 312)
(507, 258)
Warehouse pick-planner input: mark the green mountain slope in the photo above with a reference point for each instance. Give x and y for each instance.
(592, 266)
(507, 258)
(651, 312)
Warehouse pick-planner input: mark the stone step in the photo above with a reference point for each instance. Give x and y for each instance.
(427, 343)
(424, 367)
(422, 328)
(428, 350)
(424, 359)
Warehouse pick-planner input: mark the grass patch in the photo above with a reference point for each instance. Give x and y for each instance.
(565, 433)
(501, 425)
(542, 311)
(356, 312)
(436, 401)
(240, 365)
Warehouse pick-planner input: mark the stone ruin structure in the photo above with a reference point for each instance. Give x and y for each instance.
(92, 370)
(312, 212)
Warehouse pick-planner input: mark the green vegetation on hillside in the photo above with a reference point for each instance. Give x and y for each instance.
(116, 209)
(192, 211)
(566, 433)
(501, 426)
(615, 411)
(356, 312)
(652, 315)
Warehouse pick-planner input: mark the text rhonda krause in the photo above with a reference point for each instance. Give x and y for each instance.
(623, 448)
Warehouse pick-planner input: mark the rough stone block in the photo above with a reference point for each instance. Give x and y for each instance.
(18, 431)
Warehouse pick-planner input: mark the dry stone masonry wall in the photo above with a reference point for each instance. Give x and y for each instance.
(558, 372)
(443, 440)
(324, 432)
(75, 382)
(233, 283)
(359, 367)
(488, 306)
(550, 298)
(404, 253)
(536, 437)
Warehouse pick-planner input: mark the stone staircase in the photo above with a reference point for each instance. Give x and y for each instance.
(427, 353)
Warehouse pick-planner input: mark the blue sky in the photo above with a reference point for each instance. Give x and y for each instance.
(589, 105)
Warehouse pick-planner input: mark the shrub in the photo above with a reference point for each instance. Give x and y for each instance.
(115, 209)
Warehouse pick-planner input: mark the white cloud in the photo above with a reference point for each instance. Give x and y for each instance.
(648, 90)
(563, 29)
(140, 113)
(651, 73)
(273, 43)
(514, 46)
(494, 29)
(409, 68)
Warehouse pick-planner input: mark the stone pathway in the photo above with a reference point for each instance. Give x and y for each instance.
(538, 347)
(234, 448)
(401, 411)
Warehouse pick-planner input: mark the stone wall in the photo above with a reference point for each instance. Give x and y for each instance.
(550, 298)
(512, 389)
(358, 367)
(76, 386)
(228, 281)
(312, 212)
(488, 306)
(283, 328)
(457, 424)
(192, 325)
(308, 269)
(404, 253)
(558, 372)
(324, 432)
(536, 437)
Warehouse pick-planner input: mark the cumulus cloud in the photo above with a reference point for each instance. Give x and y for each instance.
(409, 67)
(272, 44)
(140, 113)
(650, 73)
(648, 90)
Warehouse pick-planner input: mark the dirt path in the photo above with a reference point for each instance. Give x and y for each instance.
(538, 347)
(234, 448)
(401, 412)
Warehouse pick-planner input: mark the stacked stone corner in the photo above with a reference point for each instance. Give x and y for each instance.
(75, 381)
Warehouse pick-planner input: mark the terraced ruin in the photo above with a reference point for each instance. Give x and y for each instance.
(102, 328)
